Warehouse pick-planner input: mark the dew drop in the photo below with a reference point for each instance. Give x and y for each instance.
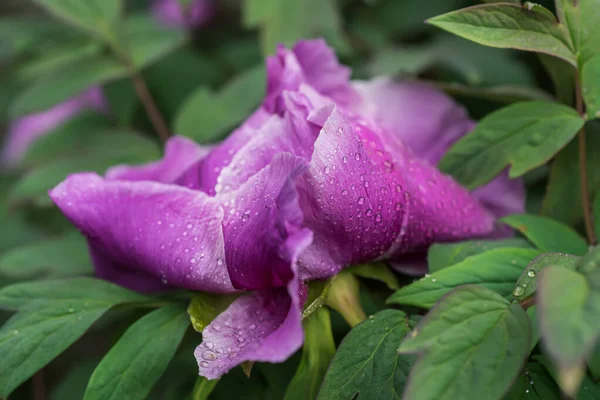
(519, 290)
(219, 261)
(357, 156)
(531, 273)
(344, 192)
(208, 355)
(369, 212)
(344, 160)
(326, 170)
(245, 217)
(378, 217)
(361, 200)
(204, 364)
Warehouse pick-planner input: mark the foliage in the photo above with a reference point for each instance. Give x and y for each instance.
(512, 318)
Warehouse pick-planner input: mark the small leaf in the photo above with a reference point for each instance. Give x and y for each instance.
(139, 358)
(569, 315)
(527, 283)
(442, 255)
(590, 82)
(547, 234)
(206, 116)
(510, 26)
(366, 362)
(66, 256)
(317, 353)
(378, 272)
(204, 307)
(474, 342)
(96, 16)
(497, 270)
(522, 135)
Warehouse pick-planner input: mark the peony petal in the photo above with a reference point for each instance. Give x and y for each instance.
(311, 62)
(263, 326)
(290, 133)
(208, 170)
(180, 154)
(148, 230)
(260, 217)
(173, 13)
(429, 122)
(26, 130)
(423, 118)
(363, 203)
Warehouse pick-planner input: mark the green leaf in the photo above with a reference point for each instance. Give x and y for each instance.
(591, 261)
(204, 307)
(497, 270)
(75, 290)
(140, 357)
(547, 234)
(203, 388)
(583, 22)
(378, 272)
(65, 83)
(534, 384)
(523, 135)
(589, 390)
(96, 16)
(442, 255)
(317, 353)
(95, 152)
(287, 21)
(53, 315)
(499, 94)
(32, 339)
(563, 77)
(510, 26)
(148, 43)
(474, 342)
(590, 82)
(65, 256)
(564, 185)
(206, 116)
(527, 283)
(569, 316)
(366, 362)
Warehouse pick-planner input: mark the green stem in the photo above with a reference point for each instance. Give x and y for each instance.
(583, 175)
(142, 91)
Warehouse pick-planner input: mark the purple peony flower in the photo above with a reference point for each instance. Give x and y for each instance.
(177, 14)
(26, 130)
(320, 177)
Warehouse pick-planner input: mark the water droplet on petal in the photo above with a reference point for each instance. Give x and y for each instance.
(204, 364)
(208, 355)
(361, 200)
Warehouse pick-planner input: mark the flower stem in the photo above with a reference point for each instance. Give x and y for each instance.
(583, 175)
(142, 91)
(145, 97)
